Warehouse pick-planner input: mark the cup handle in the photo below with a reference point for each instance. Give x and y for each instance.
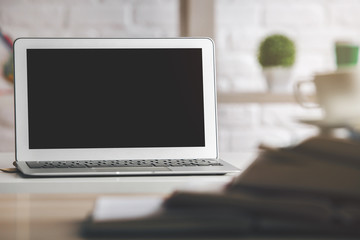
(303, 99)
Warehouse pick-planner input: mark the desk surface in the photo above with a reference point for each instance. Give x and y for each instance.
(14, 183)
(54, 208)
(59, 217)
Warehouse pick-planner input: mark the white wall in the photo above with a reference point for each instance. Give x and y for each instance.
(79, 18)
(89, 18)
(314, 25)
(240, 26)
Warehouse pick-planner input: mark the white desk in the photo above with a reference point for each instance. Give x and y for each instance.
(14, 183)
(53, 208)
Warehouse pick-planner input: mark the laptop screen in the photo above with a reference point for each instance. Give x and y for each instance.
(115, 98)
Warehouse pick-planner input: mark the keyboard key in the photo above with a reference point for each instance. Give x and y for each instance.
(34, 164)
(160, 165)
(125, 163)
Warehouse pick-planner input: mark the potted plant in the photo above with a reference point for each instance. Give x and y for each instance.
(276, 55)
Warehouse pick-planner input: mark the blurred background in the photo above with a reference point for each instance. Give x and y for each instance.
(248, 112)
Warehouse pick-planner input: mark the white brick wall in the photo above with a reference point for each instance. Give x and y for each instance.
(80, 18)
(240, 26)
(89, 18)
(314, 25)
(245, 126)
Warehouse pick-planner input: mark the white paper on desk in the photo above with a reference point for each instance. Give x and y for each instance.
(126, 208)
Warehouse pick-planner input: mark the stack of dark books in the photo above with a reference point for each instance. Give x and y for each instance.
(308, 190)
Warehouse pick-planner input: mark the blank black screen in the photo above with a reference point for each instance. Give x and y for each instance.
(115, 98)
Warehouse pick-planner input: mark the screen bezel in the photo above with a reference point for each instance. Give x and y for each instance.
(23, 153)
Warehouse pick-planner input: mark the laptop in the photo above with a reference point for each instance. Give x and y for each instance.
(116, 107)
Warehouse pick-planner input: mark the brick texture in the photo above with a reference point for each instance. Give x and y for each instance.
(240, 25)
(90, 18)
(314, 25)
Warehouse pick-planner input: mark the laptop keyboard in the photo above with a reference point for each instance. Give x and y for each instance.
(125, 163)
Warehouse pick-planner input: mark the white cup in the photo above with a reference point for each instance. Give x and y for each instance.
(337, 94)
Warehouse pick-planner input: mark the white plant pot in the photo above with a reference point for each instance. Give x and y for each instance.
(278, 79)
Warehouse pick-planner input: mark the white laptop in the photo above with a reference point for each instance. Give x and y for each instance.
(116, 107)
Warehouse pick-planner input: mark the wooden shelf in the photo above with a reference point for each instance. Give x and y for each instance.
(255, 97)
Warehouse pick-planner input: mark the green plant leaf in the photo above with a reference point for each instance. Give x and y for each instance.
(276, 50)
